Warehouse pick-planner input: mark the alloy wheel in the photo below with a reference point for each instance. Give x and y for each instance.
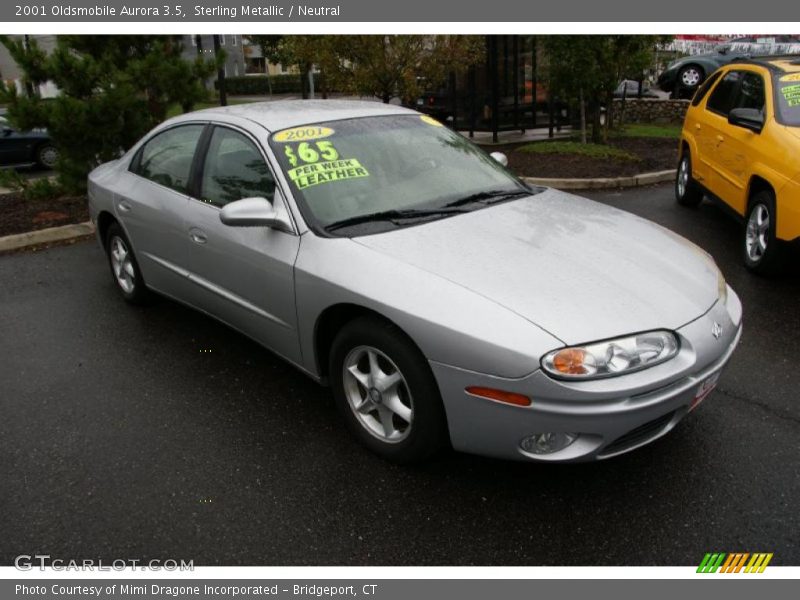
(378, 394)
(122, 265)
(690, 77)
(683, 176)
(757, 233)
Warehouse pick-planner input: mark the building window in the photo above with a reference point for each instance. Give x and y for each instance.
(236, 69)
(233, 40)
(194, 40)
(222, 40)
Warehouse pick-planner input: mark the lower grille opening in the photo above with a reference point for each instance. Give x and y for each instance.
(641, 434)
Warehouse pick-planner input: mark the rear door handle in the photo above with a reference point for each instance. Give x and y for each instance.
(198, 236)
(720, 139)
(125, 206)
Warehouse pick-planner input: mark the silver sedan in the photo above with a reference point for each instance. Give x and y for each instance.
(443, 300)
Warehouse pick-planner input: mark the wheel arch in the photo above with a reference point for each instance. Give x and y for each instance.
(104, 220)
(332, 320)
(758, 184)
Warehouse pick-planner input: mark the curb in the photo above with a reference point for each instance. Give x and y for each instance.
(603, 182)
(46, 236)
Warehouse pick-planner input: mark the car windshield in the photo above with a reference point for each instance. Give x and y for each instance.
(371, 174)
(788, 99)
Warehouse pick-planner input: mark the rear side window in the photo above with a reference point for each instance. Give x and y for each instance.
(234, 169)
(703, 90)
(167, 157)
(721, 99)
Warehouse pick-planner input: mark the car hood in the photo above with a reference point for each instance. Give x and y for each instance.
(579, 269)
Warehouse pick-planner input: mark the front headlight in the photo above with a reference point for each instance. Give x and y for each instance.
(722, 288)
(612, 357)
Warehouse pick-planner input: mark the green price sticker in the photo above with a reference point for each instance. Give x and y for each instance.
(315, 173)
(307, 153)
(791, 92)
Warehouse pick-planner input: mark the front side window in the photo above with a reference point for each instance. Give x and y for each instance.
(751, 92)
(234, 169)
(394, 168)
(703, 89)
(167, 157)
(721, 99)
(787, 99)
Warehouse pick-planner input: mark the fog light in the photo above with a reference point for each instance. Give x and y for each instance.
(546, 443)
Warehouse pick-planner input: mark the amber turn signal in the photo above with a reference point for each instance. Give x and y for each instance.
(499, 395)
(570, 361)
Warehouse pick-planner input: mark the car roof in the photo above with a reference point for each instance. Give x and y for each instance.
(783, 63)
(281, 114)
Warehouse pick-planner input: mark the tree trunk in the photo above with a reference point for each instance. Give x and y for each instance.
(609, 115)
(223, 96)
(595, 111)
(583, 118)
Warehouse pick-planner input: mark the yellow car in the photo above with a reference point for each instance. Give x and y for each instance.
(741, 144)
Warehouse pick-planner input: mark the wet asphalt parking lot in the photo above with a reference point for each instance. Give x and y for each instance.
(158, 433)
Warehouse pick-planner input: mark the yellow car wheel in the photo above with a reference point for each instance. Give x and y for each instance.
(762, 249)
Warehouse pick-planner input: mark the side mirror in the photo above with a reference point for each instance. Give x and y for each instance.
(256, 212)
(500, 157)
(749, 118)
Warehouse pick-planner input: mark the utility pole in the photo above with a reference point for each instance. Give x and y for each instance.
(223, 97)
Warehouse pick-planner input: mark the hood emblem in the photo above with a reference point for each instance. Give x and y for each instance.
(716, 330)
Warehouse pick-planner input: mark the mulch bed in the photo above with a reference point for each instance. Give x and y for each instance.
(655, 154)
(18, 215)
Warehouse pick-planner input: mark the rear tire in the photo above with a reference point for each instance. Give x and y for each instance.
(689, 79)
(386, 392)
(47, 156)
(124, 268)
(687, 191)
(763, 251)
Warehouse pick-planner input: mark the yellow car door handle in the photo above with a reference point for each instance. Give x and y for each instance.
(720, 139)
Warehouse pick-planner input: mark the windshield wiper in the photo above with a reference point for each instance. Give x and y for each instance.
(489, 195)
(393, 215)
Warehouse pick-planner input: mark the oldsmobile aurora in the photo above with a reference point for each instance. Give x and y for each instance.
(443, 300)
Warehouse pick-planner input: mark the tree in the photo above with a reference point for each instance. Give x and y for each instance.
(273, 49)
(589, 68)
(386, 66)
(112, 90)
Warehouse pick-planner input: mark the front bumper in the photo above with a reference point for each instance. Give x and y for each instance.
(611, 416)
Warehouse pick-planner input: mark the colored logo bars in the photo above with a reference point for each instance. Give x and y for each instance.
(734, 562)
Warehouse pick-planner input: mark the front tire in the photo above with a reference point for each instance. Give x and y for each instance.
(763, 251)
(386, 391)
(687, 191)
(124, 268)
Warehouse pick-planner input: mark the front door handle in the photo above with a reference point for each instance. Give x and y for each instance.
(198, 236)
(124, 206)
(720, 139)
